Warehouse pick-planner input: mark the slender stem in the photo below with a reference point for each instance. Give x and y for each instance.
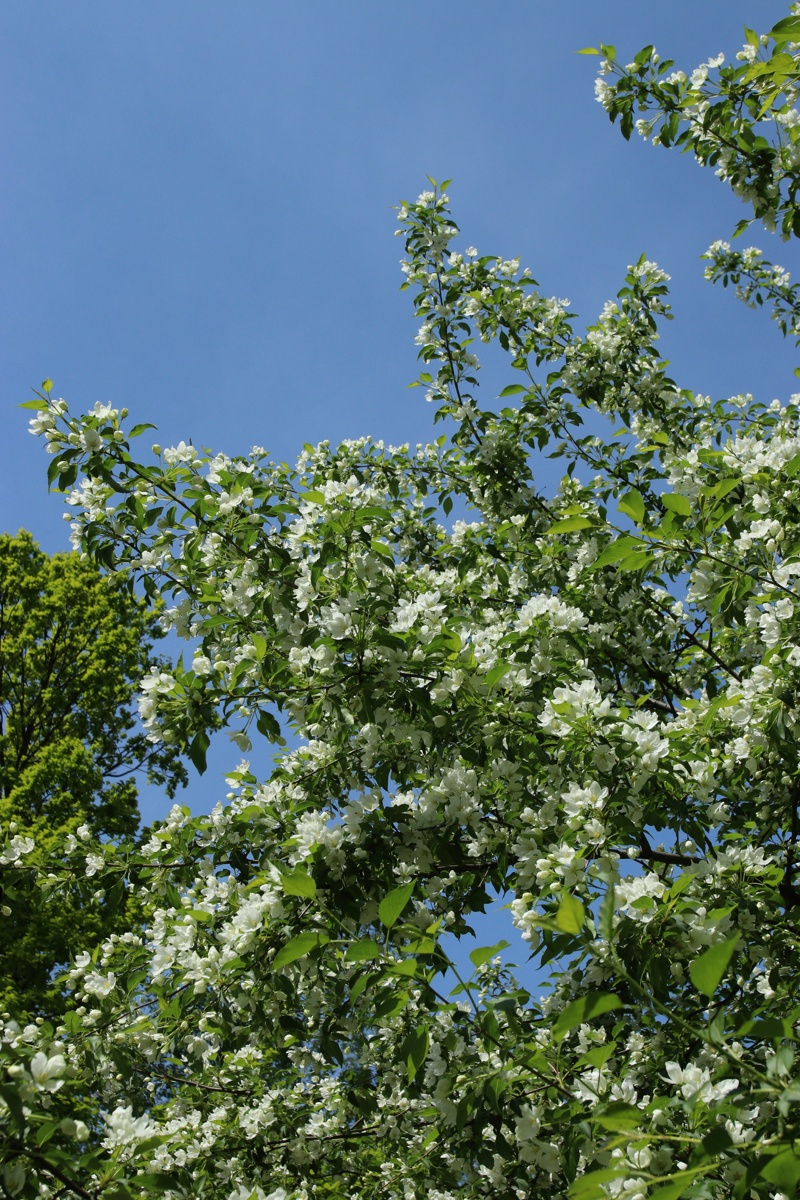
(46, 1165)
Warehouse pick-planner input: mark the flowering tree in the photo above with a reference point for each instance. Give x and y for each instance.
(586, 699)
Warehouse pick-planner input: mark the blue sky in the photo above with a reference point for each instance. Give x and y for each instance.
(196, 208)
(196, 202)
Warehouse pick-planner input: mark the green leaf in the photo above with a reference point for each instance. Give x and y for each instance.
(587, 50)
(635, 562)
(672, 1190)
(47, 386)
(484, 953)
(784, 1171)
(371, 512)
(119, 1190)
(632, 505)
(391, 1006)
(464, 1111)
(793, 465)
(787, 30)
(155, 1181)
(775, 1029)
(268, 726)
(605, 923)
(513, 389)
(675, 502)
(45, 1132)
(681, 884)
(707, 970)
(415, 1050)
(716, 1141)
(727, 485)
(619, 1115)
(393, 904)
(299, 883)
(137, 429)
(493, 1090)
(298, 947)
(361, 984)
(615, 551)
(38, 405)
(363, 951)
(570, 524)
(430, 1138)
(598, 1056)
(593, 1004)
(452, 641)
(590, 1186)
(12, 1099)
(497, 672)
(571, 914)
(423, 945)
(197, 750)
(403, 966)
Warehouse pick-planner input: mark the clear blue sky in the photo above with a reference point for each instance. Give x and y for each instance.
(196, 204)
(196, 208)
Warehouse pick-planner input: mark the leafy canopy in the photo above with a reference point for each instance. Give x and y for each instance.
(73, 647)
(584, 696)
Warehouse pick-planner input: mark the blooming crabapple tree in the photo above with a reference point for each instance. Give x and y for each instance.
(584, 698)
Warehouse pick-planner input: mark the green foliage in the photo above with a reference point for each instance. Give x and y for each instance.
(73, 647)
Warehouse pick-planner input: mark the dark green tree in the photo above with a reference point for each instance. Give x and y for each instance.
(73, 646)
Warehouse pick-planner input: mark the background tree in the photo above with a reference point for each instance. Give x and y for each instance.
(74, 645)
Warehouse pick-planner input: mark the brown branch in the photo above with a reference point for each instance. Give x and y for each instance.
(41, 1161)
(187, 1082)
(647, 853)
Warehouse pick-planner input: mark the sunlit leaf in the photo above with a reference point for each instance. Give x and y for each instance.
(570, 525)
(570, 915)
(619, 1115)
(363, 951)
(497, 672)
(615, 551)
(415, 1050)
(299, 883)
(298, 948)
(783, 1170)
(484, 953)
(676, 503)
(632, 505)
(707, 970)
(592, 1004)
(393, 904)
